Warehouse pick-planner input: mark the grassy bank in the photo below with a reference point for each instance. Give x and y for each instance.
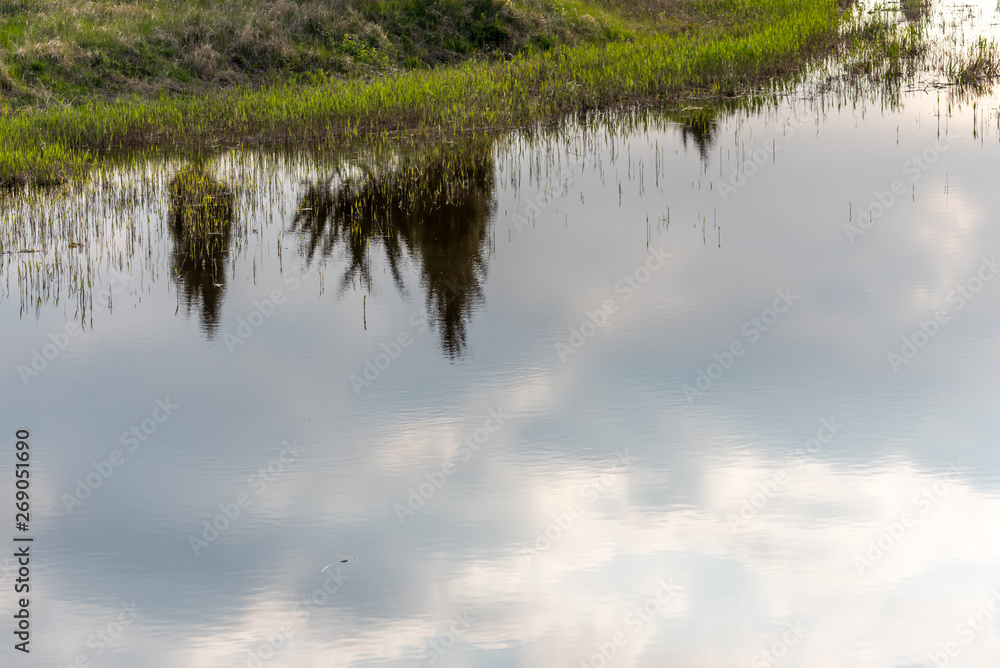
(541, 61)
(59, 50)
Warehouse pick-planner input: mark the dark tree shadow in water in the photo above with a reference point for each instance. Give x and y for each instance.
(700, 128)
(914, 11)
(201, 217)
(437, 217)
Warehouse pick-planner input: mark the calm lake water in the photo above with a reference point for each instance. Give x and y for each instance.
(637, 393)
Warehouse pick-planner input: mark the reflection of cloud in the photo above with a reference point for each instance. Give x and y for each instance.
(666, 518)
(953, 256)
(794, 562)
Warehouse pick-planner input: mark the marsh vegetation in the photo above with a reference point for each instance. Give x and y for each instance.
(700, 48)
(407, 164)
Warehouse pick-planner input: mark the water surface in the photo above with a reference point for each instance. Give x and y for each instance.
(640, 392)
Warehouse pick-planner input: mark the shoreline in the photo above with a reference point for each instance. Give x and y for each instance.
(56, 145)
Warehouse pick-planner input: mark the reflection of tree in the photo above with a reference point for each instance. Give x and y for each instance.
(436, 213)
(699, 126)
(201, 221)
(914, 10)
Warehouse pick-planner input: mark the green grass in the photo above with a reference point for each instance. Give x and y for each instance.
(60, 50)
(508, 65)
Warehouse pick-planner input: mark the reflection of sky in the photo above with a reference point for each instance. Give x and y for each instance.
(666, 517)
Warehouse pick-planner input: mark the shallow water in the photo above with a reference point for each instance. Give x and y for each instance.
(615, 402)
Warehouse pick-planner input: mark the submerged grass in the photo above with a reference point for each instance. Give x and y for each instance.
(977, 67)
(743, 45)
(41, 163)
(877, 49)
